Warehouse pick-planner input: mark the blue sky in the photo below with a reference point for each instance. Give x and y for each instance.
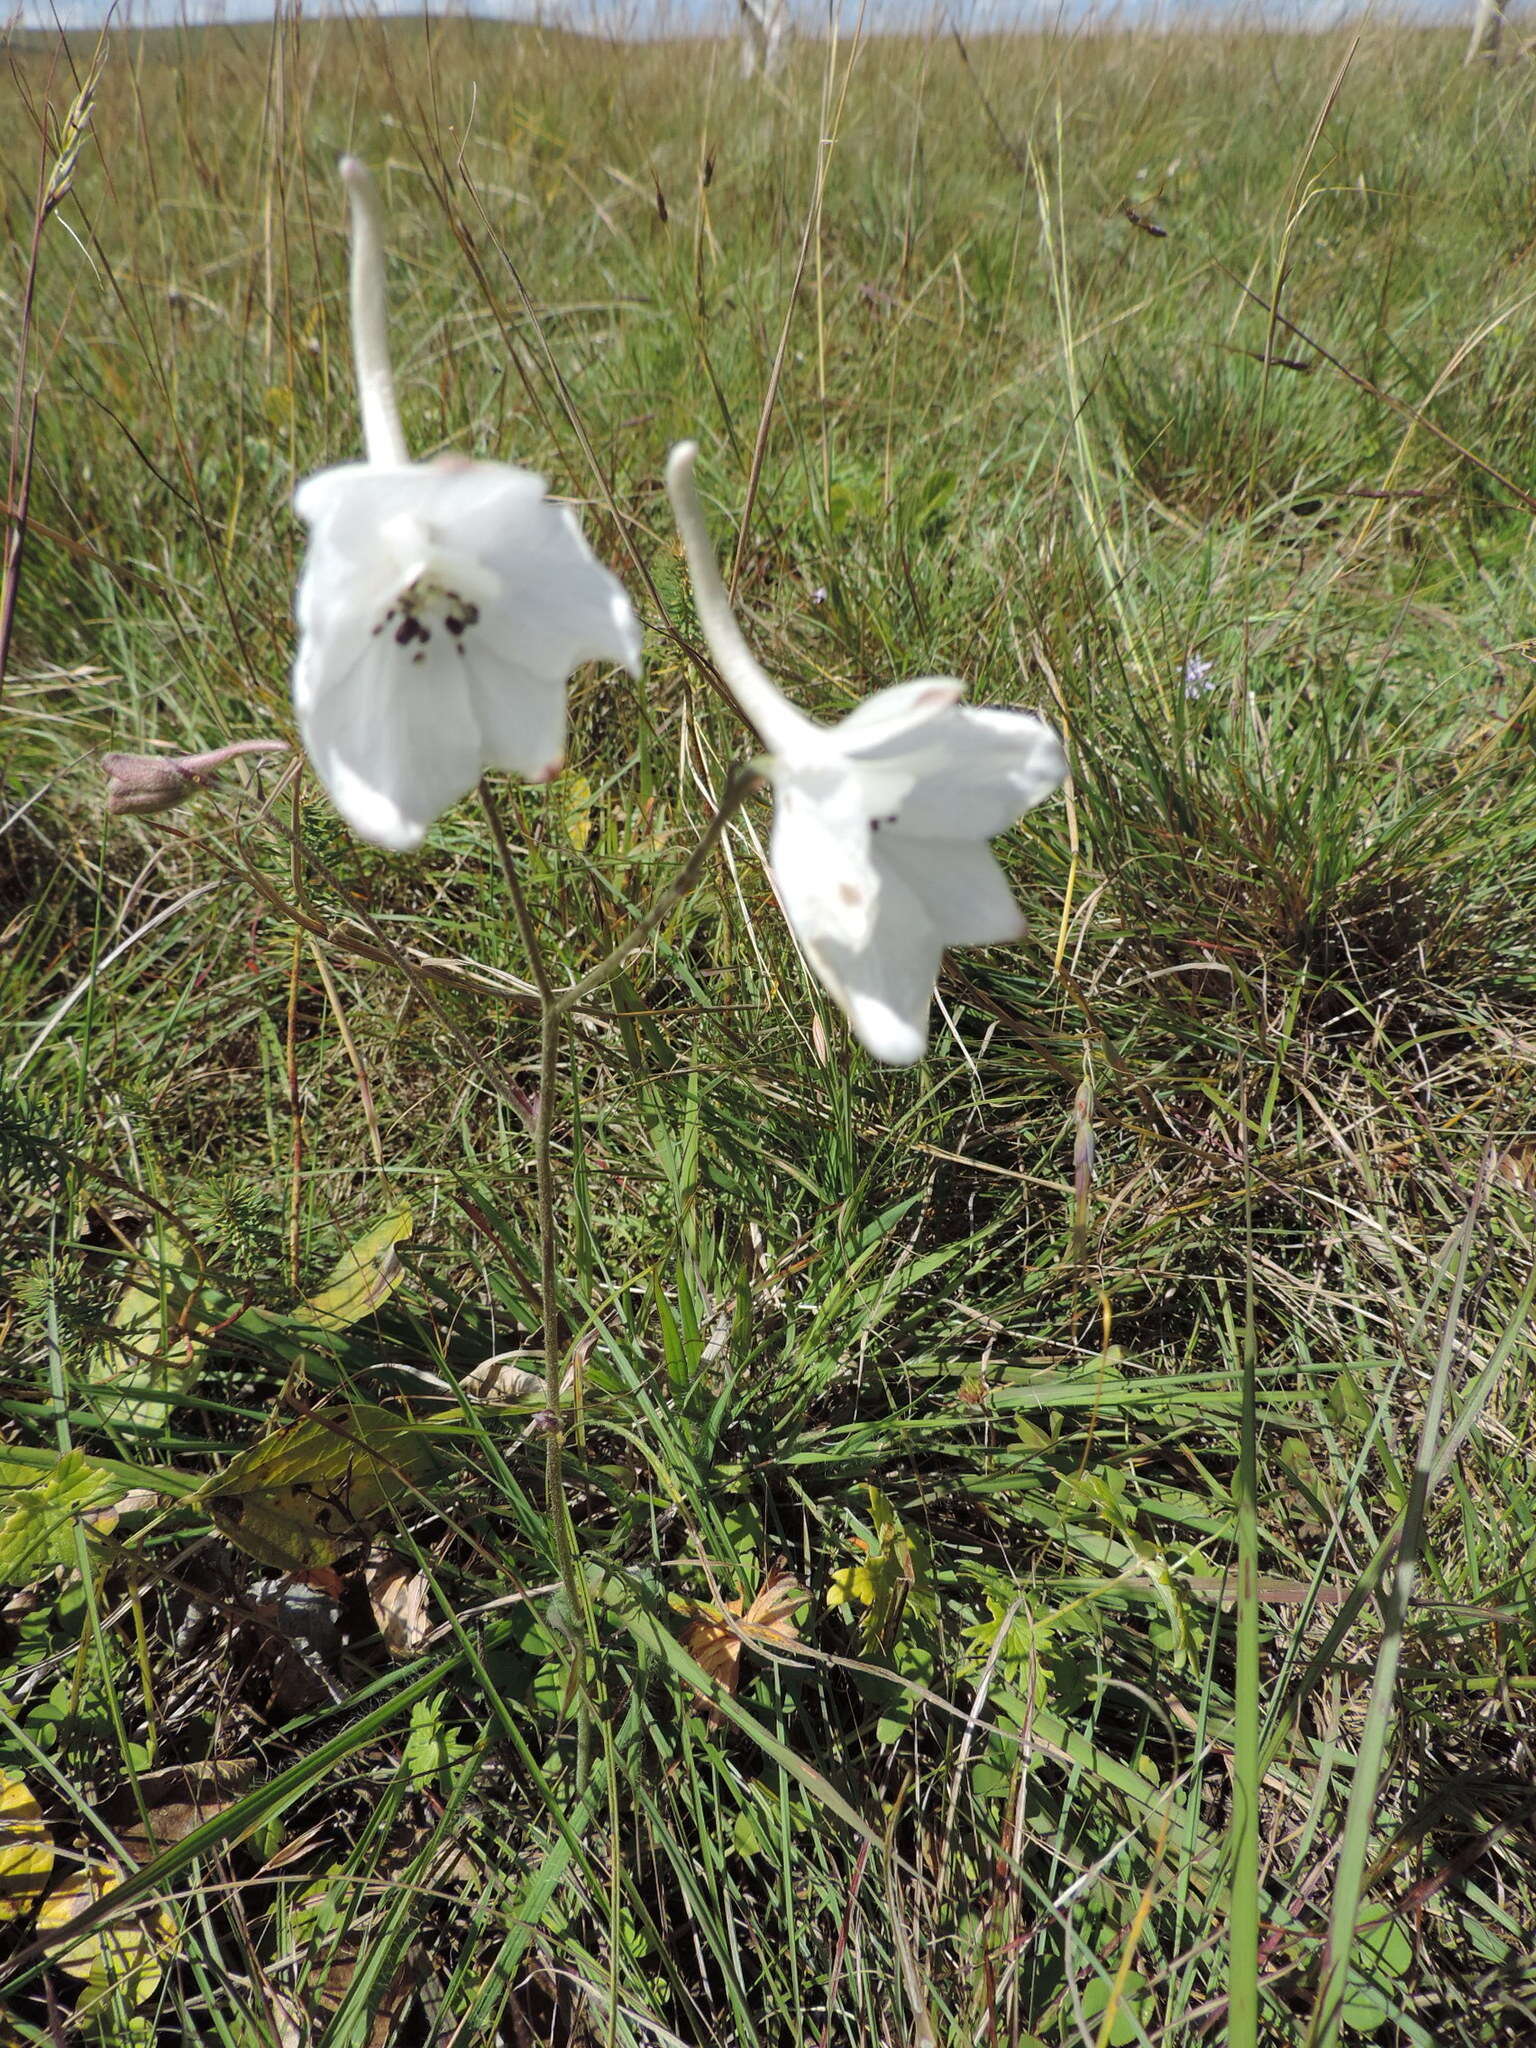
(643, 17)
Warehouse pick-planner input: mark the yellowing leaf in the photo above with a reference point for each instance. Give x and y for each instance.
(39, 1508)
(716, 1636)
(122, 1958)
(366, 1275)
(298, 1500)
(26, 1848)
(155, 1344)
(578, 811)
(892, 1571)
(277, 404)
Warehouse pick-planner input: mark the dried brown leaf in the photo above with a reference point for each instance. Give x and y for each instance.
(397, 1593)
(168, 1825)
(715, 1637)
(1517, 1166)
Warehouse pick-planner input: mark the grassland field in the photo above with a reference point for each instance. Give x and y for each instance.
(1134, 1401)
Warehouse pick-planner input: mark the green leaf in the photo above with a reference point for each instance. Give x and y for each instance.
(298, 1500)
(1120, 2004)
(893, 1573)
(432, 1746)
(154, 1351)
(1384, 1956)
(39, 1508)
(366, 1275)
(746, 1836)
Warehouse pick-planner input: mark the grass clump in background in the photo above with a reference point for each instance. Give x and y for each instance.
(1228, 1167)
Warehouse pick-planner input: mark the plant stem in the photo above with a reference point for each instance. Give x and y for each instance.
(1248, 1763)
(744, 778)
(551, 1026)
(554, 1007)
(1349, 1878)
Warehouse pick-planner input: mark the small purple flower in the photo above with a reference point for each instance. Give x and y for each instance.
(1200, 677)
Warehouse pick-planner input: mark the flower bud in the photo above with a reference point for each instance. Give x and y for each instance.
(144, 782)
(141, 783)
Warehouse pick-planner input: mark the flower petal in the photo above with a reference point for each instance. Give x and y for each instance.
(976, 772)
(959, 884)
(519, 712)
(394, 743)
(819, 854)
(461, 598)
(862, 927)
(558, 606)
(885, 986)
(890, 717)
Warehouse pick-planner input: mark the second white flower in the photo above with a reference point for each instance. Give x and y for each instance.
(879, 851)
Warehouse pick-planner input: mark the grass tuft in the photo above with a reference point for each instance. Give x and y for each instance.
(1138, 1391)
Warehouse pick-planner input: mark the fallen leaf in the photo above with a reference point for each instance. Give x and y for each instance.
(499, 1383)
(210, 1783)
(715, 1637)
(166, 1825)
(123, 1959)
(299, 1615)
(1517, 1167)
(216, 1774)
(26, 1848)
(365, 1276)
(397, 1593)
(133, 1502)
(301, 1498)
(286, 2017)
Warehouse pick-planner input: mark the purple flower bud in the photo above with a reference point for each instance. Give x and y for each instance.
(141, 783)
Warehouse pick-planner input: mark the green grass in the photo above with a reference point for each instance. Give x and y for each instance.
(1047, 1765)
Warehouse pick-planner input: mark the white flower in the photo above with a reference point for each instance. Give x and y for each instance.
(441, 608)
(879, 851)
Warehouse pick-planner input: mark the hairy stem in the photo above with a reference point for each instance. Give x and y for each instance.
(551, 1027)
(743, 780)
(383, 437)
(555, 1005)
